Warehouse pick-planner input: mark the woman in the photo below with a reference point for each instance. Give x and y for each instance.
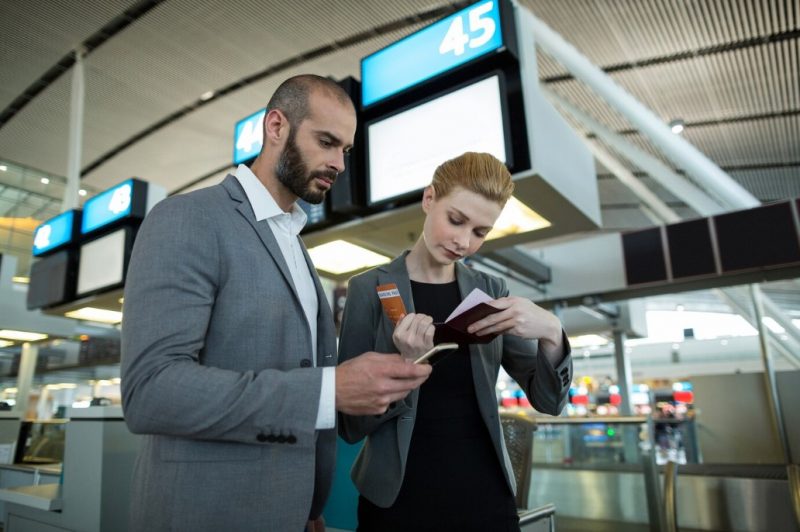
(436, 460)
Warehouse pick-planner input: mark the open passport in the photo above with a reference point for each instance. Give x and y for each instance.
(476, 306)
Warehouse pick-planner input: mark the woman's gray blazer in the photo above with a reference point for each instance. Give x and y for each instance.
(379, 468)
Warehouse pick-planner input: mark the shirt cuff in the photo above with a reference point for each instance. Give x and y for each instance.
(326, 414)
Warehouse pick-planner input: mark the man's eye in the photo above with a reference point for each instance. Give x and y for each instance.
(455, 222)
(325, 143)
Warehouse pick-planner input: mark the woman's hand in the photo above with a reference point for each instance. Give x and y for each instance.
(413, 335)
(524, 318)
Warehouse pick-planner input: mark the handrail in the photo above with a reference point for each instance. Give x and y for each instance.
(670, 496)
(537, 514)
(586, 420)
(793, 472)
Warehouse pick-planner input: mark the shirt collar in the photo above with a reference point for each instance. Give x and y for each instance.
(263, 204)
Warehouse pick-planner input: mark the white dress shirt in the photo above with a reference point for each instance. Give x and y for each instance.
(286, 227)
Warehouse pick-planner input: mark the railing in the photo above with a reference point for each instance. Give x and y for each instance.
(546, 511)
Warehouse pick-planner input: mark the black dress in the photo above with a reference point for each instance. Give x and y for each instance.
(453, 478)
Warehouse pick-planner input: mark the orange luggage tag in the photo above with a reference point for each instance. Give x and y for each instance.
(391, 301)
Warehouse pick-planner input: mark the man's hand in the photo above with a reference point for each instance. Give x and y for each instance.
(413, 335)
(369, 383)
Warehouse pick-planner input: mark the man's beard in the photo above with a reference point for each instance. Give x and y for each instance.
(293, 173)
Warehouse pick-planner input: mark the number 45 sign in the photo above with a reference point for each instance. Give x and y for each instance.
(442, 46)
(482, 27)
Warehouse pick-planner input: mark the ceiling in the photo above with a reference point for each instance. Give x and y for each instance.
(727, 68)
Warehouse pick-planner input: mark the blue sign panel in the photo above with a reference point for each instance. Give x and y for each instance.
(315, 212)
(108, 206)
(442, 46)
(53, 233)
(248, 137)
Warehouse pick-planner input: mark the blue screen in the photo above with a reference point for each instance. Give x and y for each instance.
(53, 233)
(108, 206)
(248, 137)
(315, 212)
(453, 41)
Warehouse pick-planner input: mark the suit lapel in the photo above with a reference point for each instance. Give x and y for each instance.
(397, 273)
(325, 330)
(467, 282)
(261, 228)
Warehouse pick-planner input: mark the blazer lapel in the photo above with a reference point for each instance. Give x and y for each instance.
(326, 349)
(261, 228)
(397, 273)
(467, 282)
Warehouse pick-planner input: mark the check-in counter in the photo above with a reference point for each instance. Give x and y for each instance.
(93, 492)
(595, 471)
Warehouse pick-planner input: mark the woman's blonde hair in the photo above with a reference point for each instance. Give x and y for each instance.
(481, 173)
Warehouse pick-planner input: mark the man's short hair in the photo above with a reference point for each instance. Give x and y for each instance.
(292, 96)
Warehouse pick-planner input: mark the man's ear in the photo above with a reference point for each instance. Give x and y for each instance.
(276, 127)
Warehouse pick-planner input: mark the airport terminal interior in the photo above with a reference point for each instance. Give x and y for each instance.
(655, 150)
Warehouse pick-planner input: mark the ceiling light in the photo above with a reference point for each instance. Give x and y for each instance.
(45, 181)
(5, 343)
(517, 218)
(587, 340)
(21, 336)
(20, 279)
(677, 126)
(207, 95)
(95, 314)
(81, 192)
(772, 325)
(341, 257)
(3, 168)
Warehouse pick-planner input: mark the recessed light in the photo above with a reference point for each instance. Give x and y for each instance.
(207, 95)
(21, 336)
(81, 192)
(45, 181)
(3, 168)
(677, 126)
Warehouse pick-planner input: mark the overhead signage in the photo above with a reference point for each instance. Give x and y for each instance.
(124, 200)
(453, 41)
(248, 137)
(54, 233)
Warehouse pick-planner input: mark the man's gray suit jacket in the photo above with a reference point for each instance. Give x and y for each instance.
(379, 468)
(217, 372)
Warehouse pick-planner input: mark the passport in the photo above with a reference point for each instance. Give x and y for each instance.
(475, 307)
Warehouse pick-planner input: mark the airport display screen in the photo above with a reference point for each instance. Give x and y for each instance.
(453, 41)
(107, 207)
(51, 280)
(404, 149)
(53, 233)
(102, 262)
(248, 137)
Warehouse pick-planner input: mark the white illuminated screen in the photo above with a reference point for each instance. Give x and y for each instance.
(102, 262)
(406, 148)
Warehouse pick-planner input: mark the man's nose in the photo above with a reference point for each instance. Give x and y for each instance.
(337, 165)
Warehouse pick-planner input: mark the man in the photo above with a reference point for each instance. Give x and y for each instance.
(229, 351)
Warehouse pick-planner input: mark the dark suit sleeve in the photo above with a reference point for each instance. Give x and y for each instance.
(360, 324)
(547, 387)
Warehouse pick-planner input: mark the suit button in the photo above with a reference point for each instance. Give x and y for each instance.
(281, 439)
(305, 363)
(272, 438)
(261, 437)
(291, 439)
(392, 405)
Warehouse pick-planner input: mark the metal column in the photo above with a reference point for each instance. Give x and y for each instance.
(70, 200)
